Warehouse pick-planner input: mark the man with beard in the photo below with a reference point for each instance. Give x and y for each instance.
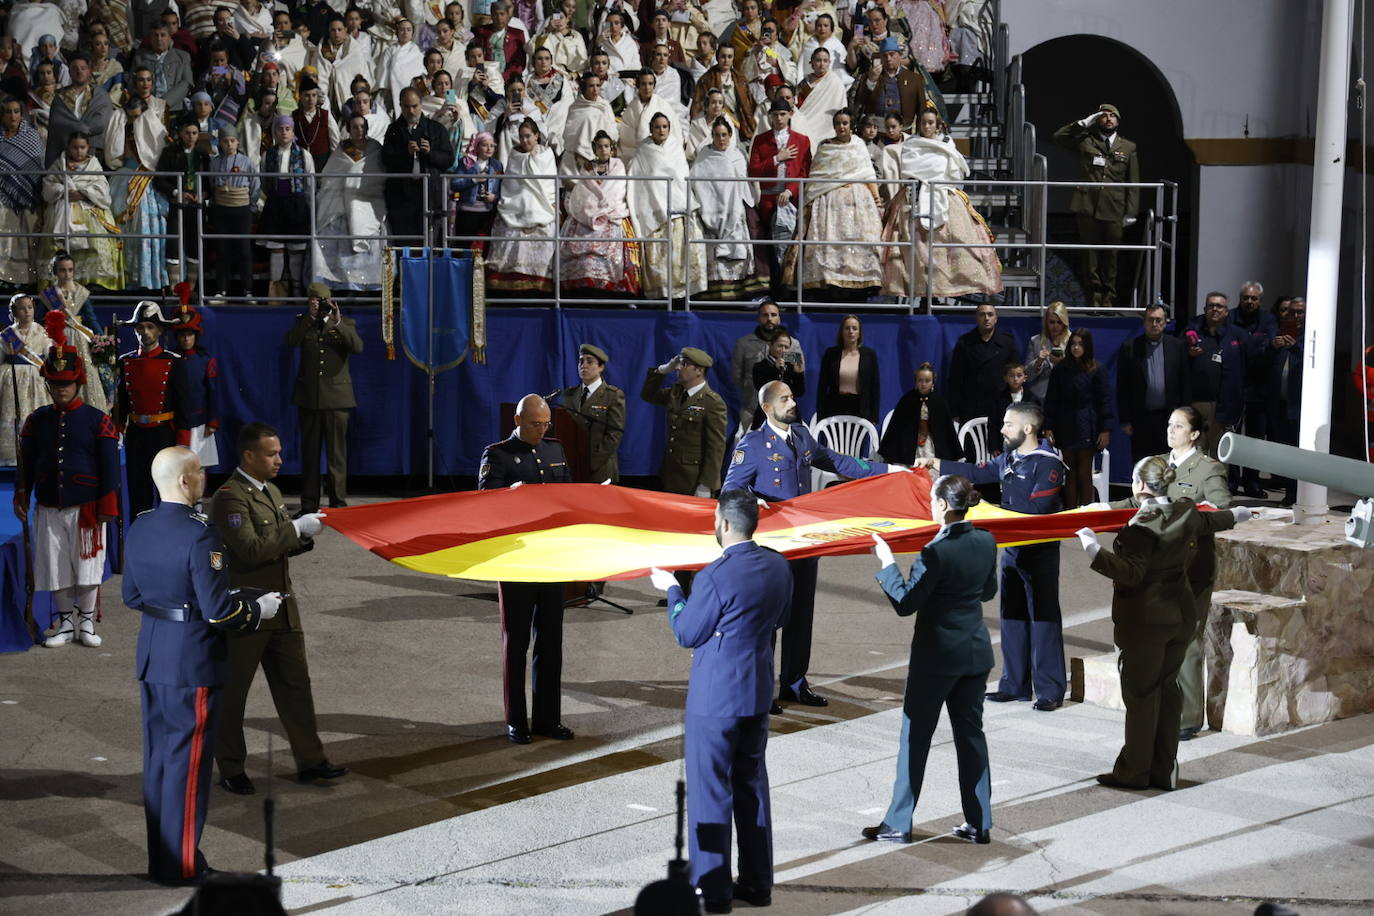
(415, 145)
(774, 463)
(738, 602)
(751, 348)
(1032, 475)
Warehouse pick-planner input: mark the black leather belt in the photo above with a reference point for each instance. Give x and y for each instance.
(173, 614)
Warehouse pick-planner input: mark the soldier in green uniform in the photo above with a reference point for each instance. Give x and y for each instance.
(324, 395)
(696, 424)
(1102, 212)
(599, 408)
(1154, 616)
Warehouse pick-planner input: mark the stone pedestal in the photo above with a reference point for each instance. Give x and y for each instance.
(1096, 679)
(1290, 637)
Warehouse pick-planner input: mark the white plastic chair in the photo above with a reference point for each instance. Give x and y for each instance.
(887, 421)
(975, 430)
(1102, 473)
(852, 436)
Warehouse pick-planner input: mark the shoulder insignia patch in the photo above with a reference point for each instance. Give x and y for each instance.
(216, 560)
(484, 470)
(201, 517)
(739, 457)
(235, 520)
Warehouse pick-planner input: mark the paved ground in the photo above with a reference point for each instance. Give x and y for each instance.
(442, 815)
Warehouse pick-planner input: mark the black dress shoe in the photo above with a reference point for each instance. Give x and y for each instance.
(718, 906)
(194, 881)
(1254, 491)
(804, 696)
(1047, 705)
(338, 504)
(775, 709)
(322, 770)
(239, 785)
(889, 834)
(1188, 734)
(557, 731)
(517, 734)
(967, 831)
(997, 696)
(753, 895)
(1110, 781)
(1163, 786)
(305, 510)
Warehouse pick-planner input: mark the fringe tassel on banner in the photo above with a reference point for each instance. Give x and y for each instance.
(388, 301)
(479, 309)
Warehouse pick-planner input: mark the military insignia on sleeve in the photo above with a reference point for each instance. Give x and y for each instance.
(235, 520)
(739, 457)
(484, 470)
(1054, 476)
(216, 560)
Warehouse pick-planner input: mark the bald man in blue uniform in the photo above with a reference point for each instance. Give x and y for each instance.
(175, 574)
(737, 603)
(774, 463)
(1031, 475)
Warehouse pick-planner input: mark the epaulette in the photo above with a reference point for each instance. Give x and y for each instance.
(202, 518)
(144, 512)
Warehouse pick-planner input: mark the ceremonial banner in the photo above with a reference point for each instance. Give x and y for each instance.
(587, 532)
(459, 315)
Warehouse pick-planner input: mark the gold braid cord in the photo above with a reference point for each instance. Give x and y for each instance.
(388, 302)
(478, 342)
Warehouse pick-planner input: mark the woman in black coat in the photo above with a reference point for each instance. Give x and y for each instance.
(776, 366)
(849, 376)
(922, 425)
(951, 656)
(1079, 415)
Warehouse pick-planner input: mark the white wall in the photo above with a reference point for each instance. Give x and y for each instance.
(1252, 224)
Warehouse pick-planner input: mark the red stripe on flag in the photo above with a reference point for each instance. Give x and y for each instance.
(188, 811)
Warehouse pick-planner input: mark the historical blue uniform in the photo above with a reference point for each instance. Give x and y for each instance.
(1032, 626)
(737, 603)
(70, 458)
(774, 468)
(527, 606)
(199, 406)
(175, 574)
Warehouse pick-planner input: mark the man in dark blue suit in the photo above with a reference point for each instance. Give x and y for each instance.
(176, 575)
(1031, 475)
(1259, 327)
(737, 603)
(774, 463)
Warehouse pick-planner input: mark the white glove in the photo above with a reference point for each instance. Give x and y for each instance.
(898, 469)
(1274, 515)
(1088, 538)
(1097, 507)
(763, 503)
(669, 366)
(882, 552)
(662, 579)
(702, 492)
(606, 482)
(307, 526)
(1129, 221)
(1091, 119)
(1243, 513)
(518, 483)
(268, 605)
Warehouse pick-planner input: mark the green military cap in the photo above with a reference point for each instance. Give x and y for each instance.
(697, 357)
(594, 351)
(1107, 106)
(319, 291)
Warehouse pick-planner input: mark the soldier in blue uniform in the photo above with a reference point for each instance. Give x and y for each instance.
(774, 463)
(737, 603)
(1031, 474)
(528, 457)
(176, 575)
(198, 417)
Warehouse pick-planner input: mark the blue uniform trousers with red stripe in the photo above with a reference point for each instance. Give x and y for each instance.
(1032, 628)
(179, 726)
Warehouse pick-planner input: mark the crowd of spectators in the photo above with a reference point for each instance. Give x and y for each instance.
(137, 138)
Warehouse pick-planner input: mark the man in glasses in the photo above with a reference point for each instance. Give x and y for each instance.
(527, 457)
(1259, 326)
(1217, 365)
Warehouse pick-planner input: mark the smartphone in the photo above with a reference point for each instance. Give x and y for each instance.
(1289, 328)
(451, 97)
(1057, 352)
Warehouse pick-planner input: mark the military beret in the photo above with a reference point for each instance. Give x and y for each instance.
(595, 351)
(1107, 106)
(318, 291)
(697, 357)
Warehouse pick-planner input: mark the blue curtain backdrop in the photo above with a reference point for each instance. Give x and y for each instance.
(535, 350)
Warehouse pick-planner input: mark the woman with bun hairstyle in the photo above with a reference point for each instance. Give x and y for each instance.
(1154, 616)
(951, 656)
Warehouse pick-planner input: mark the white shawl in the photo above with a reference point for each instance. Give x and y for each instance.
(248, 24)
(846, 162)
(815, 116)
(654, 203)
(150, 136)
(401, 63)
(528, 203)
(723, 203)
(932, 160)
(598, 201)
(634, 124)
(353, 191)
(700, 134)
(585, 119)
(66, 218)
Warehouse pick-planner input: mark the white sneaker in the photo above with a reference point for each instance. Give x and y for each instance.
(66, 632)
(86, 633)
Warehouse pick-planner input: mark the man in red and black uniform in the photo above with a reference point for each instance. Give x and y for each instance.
(150, 395)
(71, 465)
(198, 417)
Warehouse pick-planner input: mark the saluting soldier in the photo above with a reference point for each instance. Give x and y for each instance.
(150, 393)
(1104, 156)
(70, 465)
(599, 408)
(696, 424)
(175, 574)
(526, 456)
(324, 395)
(774, 463)
(258, 540)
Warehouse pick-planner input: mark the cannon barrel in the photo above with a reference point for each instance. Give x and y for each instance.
(1332, 471)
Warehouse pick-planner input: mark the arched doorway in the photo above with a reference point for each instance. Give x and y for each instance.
(1066, 79)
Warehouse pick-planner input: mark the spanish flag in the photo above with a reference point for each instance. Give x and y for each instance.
(588, 533)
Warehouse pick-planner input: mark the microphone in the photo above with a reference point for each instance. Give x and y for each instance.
(556, 393)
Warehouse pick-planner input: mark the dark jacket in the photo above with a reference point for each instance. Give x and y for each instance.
(976, 369)
(899, 442)
(1222, 381)
(190, 165)
(1259, 327)
(765, 371)
(1078, 405)
(828, 386)
(955, 574)
(323, 381)
(513, 460)
(259, 539)
(469, 181)
(396, 156)
(1130, 378)
(1283, 397)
